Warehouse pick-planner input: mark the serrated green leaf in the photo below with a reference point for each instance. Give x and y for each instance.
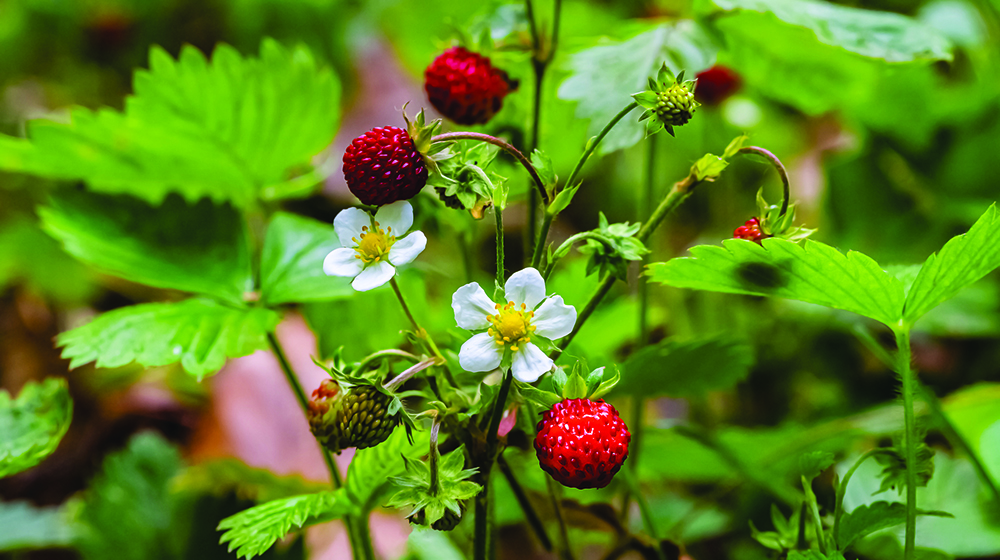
(201, 248)
(963, 260)
(368, 477)
(543, 165)
(200, 334)
(817, 55)
(251, 532)
(28, 527)
(812, 272)
(291, 264)
(603, 78)
(814, 462)
(685, 368)
(867, 519)
(135, 480)
(33, 424)
(232, 129)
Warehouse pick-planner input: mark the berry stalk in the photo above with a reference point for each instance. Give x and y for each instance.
(778, 166)
(525, 162)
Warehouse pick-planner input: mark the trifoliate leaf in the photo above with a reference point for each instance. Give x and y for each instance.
(291, 266)
(201, 248)
(33, 424)
(252, 531)
(200, 334)
(812, 272)
(233, 129)
(963, 260)
(685, 368)
(604, 77)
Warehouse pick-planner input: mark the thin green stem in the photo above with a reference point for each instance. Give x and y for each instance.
(424, 335)
(498, 216)
(483, 532)
(903, 357)
(385, 354)
(522, 499)
(405, 376)
(356, 529)
(433, 456)
(838, 511)
(549, 217)
(773, 159)
(524, 161)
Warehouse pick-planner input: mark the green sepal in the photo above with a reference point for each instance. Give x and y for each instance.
(540, 397)
(646, 99)
(605, 386)
(563, 199)
(454, 486)
(665, 76)
(653, 126)
(734, 146)
(576, 386)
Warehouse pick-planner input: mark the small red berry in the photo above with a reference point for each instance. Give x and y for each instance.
(382, 166)
(750, 230)
(582, 443)
(465, 87)
(716, 84)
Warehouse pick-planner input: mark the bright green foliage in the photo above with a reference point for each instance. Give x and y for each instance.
(251, 532)
(27, 527)
(33, 424)
(686, 368)
(813, 555)
(232, 129)
(611, 247)
(200, 334)
(291, 267)
(816, 55)
(604, 77)
(368, 478)
(867, 519)
(135, 480)
(201, 248)
(963, 260)
(812, 272)
(453, 486)
(428, 544)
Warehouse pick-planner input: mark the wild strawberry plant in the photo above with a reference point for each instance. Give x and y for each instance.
(190, 188)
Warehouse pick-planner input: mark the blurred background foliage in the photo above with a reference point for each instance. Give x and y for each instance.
(891, 153)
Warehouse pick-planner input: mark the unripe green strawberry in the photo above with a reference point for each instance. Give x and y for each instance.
(675, 105)
(446, 523)
(358, 417)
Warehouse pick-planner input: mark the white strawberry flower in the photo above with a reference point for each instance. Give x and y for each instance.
(372, 247)
(511, 327)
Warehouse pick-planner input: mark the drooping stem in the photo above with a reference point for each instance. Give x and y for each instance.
(498, 216)
(903, 357)
(549, 217)
(522, 499)
(774, 161)
(483, 533)
(524, 161)
(356, 529)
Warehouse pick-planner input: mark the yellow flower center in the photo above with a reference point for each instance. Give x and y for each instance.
(374, 244)
(511, 325)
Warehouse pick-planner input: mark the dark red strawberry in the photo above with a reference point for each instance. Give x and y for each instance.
(750, 230)
(716, 84)
(382, 166)
(465, 87)
(582, 443)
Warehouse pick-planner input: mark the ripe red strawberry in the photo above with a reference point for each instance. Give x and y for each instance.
(750, 230)
(716, 84)
(465, 87)
(383, 166)
(582, 443)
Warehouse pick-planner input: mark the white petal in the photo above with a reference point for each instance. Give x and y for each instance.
(525, 286)
(342, 262)
(348, 224)
(373, 276)
(472, 305)
(398, 216)
(554, 319)
(406, 249)
(480, 353)
(530, 363)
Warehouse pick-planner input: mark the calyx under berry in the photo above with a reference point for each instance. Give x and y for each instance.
(770, 222)
(669, 101)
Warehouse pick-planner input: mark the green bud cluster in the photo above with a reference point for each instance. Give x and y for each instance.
(668, 102)
(675, 105)
(355, 418)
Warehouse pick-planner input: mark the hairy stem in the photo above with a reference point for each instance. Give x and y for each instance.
(524, 161)
(483, 535)
(773, 159)
(357, 534)
(903, 357)
(522, 499)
